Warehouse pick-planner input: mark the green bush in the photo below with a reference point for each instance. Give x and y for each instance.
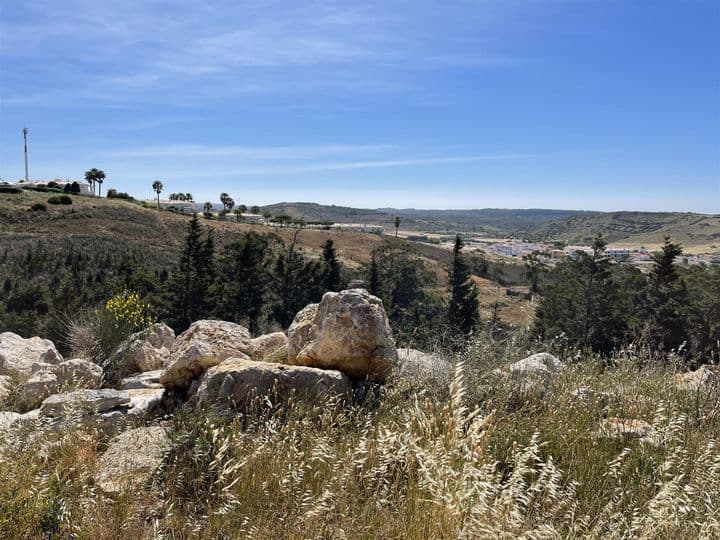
(38, 207)
(60, 199)
(42, 189)
(10, 189)
(115, 194)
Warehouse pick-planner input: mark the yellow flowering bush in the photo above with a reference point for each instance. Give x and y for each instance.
(129, 309)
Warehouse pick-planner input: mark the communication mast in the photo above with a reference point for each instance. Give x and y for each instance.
(27, 176)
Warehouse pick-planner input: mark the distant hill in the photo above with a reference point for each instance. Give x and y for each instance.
(698, 231)
(638, 228)
(490, 221)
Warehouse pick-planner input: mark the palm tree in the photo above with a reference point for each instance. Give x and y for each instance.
(99, 178)
(239, 215)
(94, 175)
(254, 209)
(267, 215)
(207, 209)
(189, 197)
(397, 224)
(242, 208)
(157, 186)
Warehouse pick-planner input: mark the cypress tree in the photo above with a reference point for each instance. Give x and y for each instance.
(332, 279)
(373, 281)
(188, 288)
(463, 307)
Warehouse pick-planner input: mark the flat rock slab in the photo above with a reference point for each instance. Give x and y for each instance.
(132, 458)
(96, 401)
(144, 400)
(148, 379)
(237, 382)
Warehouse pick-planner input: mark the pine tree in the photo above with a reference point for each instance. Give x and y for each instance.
(188, 289)
(332, 278)
(243, 280)
(463, 307)
(667, 299)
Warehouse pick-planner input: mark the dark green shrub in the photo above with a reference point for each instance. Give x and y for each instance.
(42, 189)
(115, 194)
(10, 189)
(60, 199)
(38, 207)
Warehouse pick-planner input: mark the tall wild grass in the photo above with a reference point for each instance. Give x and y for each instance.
(470, 454)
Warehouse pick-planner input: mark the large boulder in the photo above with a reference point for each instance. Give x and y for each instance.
(148, 350)
(268, 345)
(132, 458)
(39, 386)
(17, 355)
(78, 373)
(106, 409)
(237, 382)
(348, 331)
(205, 344)
(50, 379)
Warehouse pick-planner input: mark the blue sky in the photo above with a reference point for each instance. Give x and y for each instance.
(580, 104)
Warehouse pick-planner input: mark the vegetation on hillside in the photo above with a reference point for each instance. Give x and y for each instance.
(480, 458)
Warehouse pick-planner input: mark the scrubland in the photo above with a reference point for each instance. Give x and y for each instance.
(464, 451)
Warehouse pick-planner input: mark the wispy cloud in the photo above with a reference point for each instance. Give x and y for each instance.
(140, 50)
(184, 151)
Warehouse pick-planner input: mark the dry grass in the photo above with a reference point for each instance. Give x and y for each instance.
(481, 458)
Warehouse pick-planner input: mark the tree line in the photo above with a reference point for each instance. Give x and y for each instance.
(591, 303)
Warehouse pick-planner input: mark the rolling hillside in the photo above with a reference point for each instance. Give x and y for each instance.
(699, 231)
(126, 229)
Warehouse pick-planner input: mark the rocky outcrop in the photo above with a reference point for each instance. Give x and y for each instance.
(237, 382)
(107, 409)
(84, 401)
(18, 355)
(78, 373)
(268, 345)
(132, 458)
(39, 386)
(348, 331)
(148, 350)
(205, 344)
(50, 379)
